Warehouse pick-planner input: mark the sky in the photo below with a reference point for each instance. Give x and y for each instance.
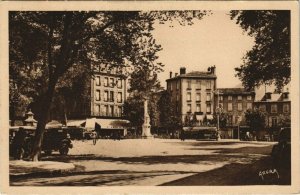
(214, 40)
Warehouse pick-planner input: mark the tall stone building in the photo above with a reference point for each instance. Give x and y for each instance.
(193, 93)
(277, 108)
(108, 92)
(235, 102)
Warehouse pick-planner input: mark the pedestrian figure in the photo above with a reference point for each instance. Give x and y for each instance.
(182, 136)
(94, 137)
(19, 143)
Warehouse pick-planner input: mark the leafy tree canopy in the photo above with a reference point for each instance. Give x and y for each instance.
(269, 61)
(52, 49)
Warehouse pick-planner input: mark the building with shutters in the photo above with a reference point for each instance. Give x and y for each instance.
(108, 92)
(235, 102)
(193, 93)
(277, 108)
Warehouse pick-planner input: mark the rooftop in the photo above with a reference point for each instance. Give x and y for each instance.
(195, 74)
(234, 91)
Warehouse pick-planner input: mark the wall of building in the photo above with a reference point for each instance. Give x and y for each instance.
(107, 95)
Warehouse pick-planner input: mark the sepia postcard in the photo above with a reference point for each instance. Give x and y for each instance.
(149, 97)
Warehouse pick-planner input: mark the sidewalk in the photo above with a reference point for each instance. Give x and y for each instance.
(23, 168)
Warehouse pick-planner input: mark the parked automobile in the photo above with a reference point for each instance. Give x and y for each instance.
(210, 134)
(281, 152)
(20, 141)
(56, 139)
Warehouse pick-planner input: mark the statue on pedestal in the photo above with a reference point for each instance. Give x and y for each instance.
(146, 133)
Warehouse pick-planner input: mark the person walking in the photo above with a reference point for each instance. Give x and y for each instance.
(94, 137)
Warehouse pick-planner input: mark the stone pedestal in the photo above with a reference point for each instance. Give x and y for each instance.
(146, 133)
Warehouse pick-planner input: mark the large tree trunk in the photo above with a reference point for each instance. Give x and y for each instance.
(38, 139)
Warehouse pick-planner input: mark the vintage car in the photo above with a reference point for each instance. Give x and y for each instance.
(56, 139)
(199, 133)
(21, 141)
(281, 152)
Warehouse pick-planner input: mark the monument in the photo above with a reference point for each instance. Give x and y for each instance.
(146, 134)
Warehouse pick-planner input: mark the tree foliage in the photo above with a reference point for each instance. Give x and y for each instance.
(168, 116)
(255, 119)
(50, 50)
(269, 61)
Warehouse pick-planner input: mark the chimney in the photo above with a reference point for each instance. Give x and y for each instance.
(176, 74)
(182, 70)
(170, 74)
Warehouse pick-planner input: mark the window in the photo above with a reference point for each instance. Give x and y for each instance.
(105, 81)
(198, 83)
(111, 110)
(229, 106)
(97, 95)
(119, 111)
(208, 84)
(240, 106)
(189, 96)
(177, 85)
(274, 121)
(239, 97)
(249, 106)
(189, 108)
(171, 86)
(229, 98)
(189, 84)
(286, 108)
(119, 83)
(208, 108)
(208, 97)
(97, 109)
(97, 80)
(198, 97)
(111, 96)
(262, 108)
(111, 82)
(220, 97)
(198, 108)
(119, 99)
(105, 96)
(177, 97)
(274, 108)
(106, 110)
(249, 97)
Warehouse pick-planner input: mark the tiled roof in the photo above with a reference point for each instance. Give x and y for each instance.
(234, 91)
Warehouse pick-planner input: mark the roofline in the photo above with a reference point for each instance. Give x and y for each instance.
(192, 77)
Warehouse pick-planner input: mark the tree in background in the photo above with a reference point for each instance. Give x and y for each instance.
(269, 61)
(223, 118)
(255, 119)
(169, 118)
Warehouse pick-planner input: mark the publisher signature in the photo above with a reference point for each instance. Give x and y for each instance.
(264, 173)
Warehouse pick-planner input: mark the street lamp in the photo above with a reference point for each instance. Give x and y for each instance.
(218, 109)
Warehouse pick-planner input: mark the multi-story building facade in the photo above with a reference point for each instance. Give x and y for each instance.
(192, 93)
(235, 102)
(108, 92)
(277, 108)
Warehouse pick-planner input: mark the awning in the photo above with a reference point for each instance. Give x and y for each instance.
(198, 128)
(90, 123)
(113, 123)
(75, 123)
